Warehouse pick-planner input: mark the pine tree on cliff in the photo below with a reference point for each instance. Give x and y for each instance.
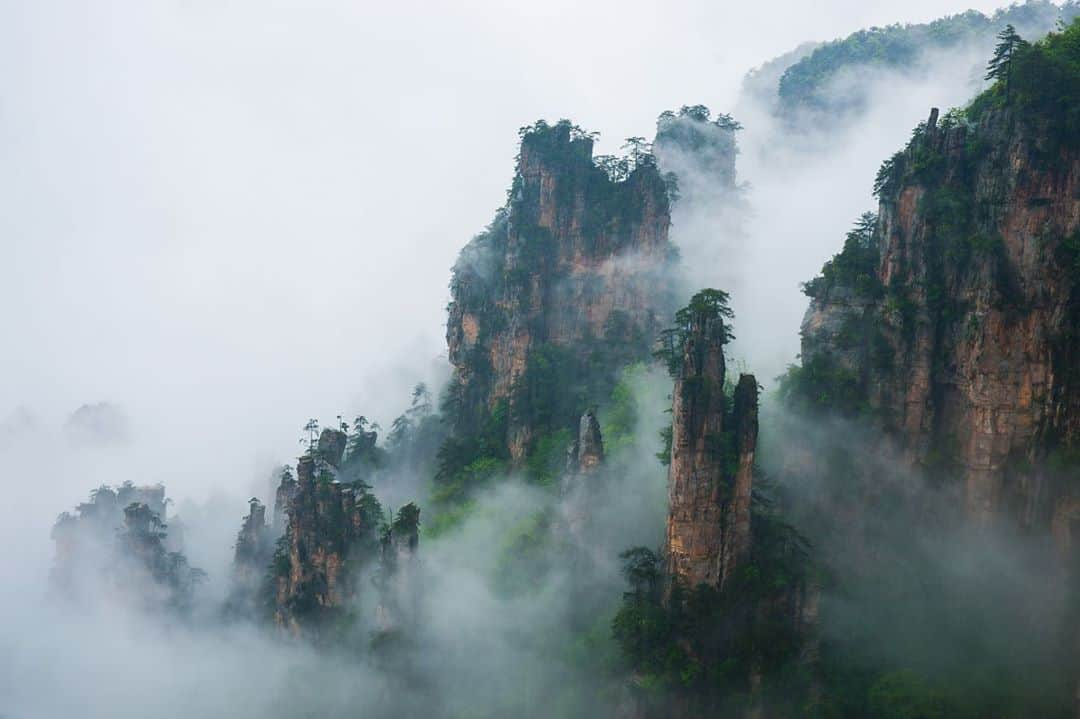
(1000, 66)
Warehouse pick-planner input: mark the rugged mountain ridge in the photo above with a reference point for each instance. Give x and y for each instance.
(832, 82)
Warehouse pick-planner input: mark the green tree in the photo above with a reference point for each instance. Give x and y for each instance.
(312, 429)
(1000, 66)
(708, 304)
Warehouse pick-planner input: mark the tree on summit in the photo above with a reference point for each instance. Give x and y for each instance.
(1000, 65)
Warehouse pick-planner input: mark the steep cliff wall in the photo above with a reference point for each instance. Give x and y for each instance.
(946, 333)
(954, 318)
(569, 278)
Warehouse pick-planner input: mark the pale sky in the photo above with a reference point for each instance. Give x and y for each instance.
(229, 216)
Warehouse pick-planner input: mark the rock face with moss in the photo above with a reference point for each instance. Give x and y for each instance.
(954, 316)
(568, 280)
(331, 533)
(711, 472)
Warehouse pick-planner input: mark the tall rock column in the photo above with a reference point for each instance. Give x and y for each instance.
(254, 546)
(398, 577)
(584, 457)
(252, 543)
(710, 476)
(330, 531)
(745, 416)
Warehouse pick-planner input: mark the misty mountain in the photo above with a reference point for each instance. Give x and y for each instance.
(598, 500)
(828, 83)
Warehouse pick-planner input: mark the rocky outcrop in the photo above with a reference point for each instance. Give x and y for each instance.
(571, 271)
(253, 541)
(331, 447)
(696, 476)
(732, 583)
(700, 151)
(254, 547)
(960, 334)
(331, 534)
(711, 473)
(583, 458)
(117, 546)
(83, 535)
(587, 451)
(397, 581)
(745, 417)
(283, 495)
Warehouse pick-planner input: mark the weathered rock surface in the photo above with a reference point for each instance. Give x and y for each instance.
(576, 261)
(583, 458)
(254, 547)
(968, 348)
(399, 593)
(330, 532)
(587, 451)
(708, 528)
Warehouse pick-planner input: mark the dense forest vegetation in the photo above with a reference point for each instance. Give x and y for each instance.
(805, 85)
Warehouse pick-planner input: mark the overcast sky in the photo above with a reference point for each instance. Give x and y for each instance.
(229, 216)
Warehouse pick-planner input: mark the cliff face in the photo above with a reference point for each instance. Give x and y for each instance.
(961, 332)
(330, 534)
(711, 472)
(570, 273)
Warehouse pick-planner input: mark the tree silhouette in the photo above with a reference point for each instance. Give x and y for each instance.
(312, 428)
(1000, 66)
